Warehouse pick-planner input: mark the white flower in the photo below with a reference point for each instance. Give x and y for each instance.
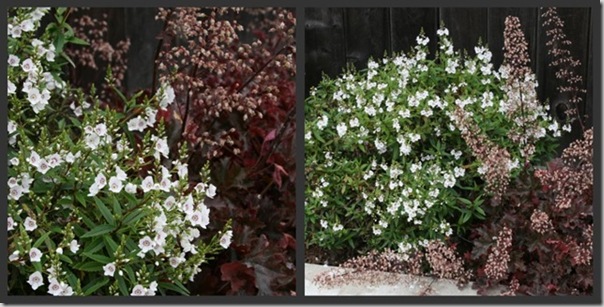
(422, 40)
(130, 188)
(92, 140)
(93, 190)
(341, 129)
(60, 251)
(11, 88)
(211, 192)
(449, 180)
(10, 223)
(28, 65)
(66, 290)
(100, 129)
(459, 172)
(54, 288)
(15, 192)
(182, 170)
(12, 182)
(74, 246)
(14, 256)
(138, 290)
(36, 280)
(161, 146)
(30, 224)
(167, 96)
(120, 174)
(338, 227)
(152, 288)
(27, 25)
(14, 161)
(566, 128)
(109, 269)
(442, 32)
(151, 117)
(456, 154)
(322, 123)
(146, 244)
(148, 184)
(225, 240)
(43, 166)
(200, 217)
(100, 180)
(54, 160)
(324, 224)
(115, 185)
(165, 185)
(35, 255)
(13, 60)
(380, 146)
(169, 202)
(137, 124)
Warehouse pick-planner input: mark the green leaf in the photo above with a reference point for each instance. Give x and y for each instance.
(182, 290)
(465, 201)
(66, 57)
(104, 211)
(98, 258)
(41, 239)
(78, 41)
(80, 196)
(99, 230)
(134, 216)
(122, 285)
(117, 208)
(94, 285)
(65, 259)
(110, 244)
(94, 246)
(89, 266)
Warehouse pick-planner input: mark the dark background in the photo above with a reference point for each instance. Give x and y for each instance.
(336, 37)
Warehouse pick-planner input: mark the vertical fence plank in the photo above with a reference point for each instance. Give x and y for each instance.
(576, 28)
(142, 29)
(590, 88)
(325, 44)
(366, 35)
(406, 24)
(496, 26)
(466, 26)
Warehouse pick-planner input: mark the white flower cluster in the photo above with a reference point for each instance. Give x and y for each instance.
(99, 159)
(393, 119)
(37, 83)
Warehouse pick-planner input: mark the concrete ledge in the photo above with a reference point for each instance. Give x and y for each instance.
(347, 282)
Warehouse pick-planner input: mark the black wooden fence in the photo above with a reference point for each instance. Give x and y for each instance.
(336, 37)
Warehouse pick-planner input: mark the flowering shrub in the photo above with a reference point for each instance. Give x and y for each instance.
(94, 206)
(546, 222)
(235, 106)
(408, 150)
(543, 230)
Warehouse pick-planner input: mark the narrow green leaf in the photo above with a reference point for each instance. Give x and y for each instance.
(98, 258)
(174, 288)
(89, 266)
(99, 230)
(94, 285)
(122, 285)
(78, 41)
(110, 244)
(104, 211)
(42, 238)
